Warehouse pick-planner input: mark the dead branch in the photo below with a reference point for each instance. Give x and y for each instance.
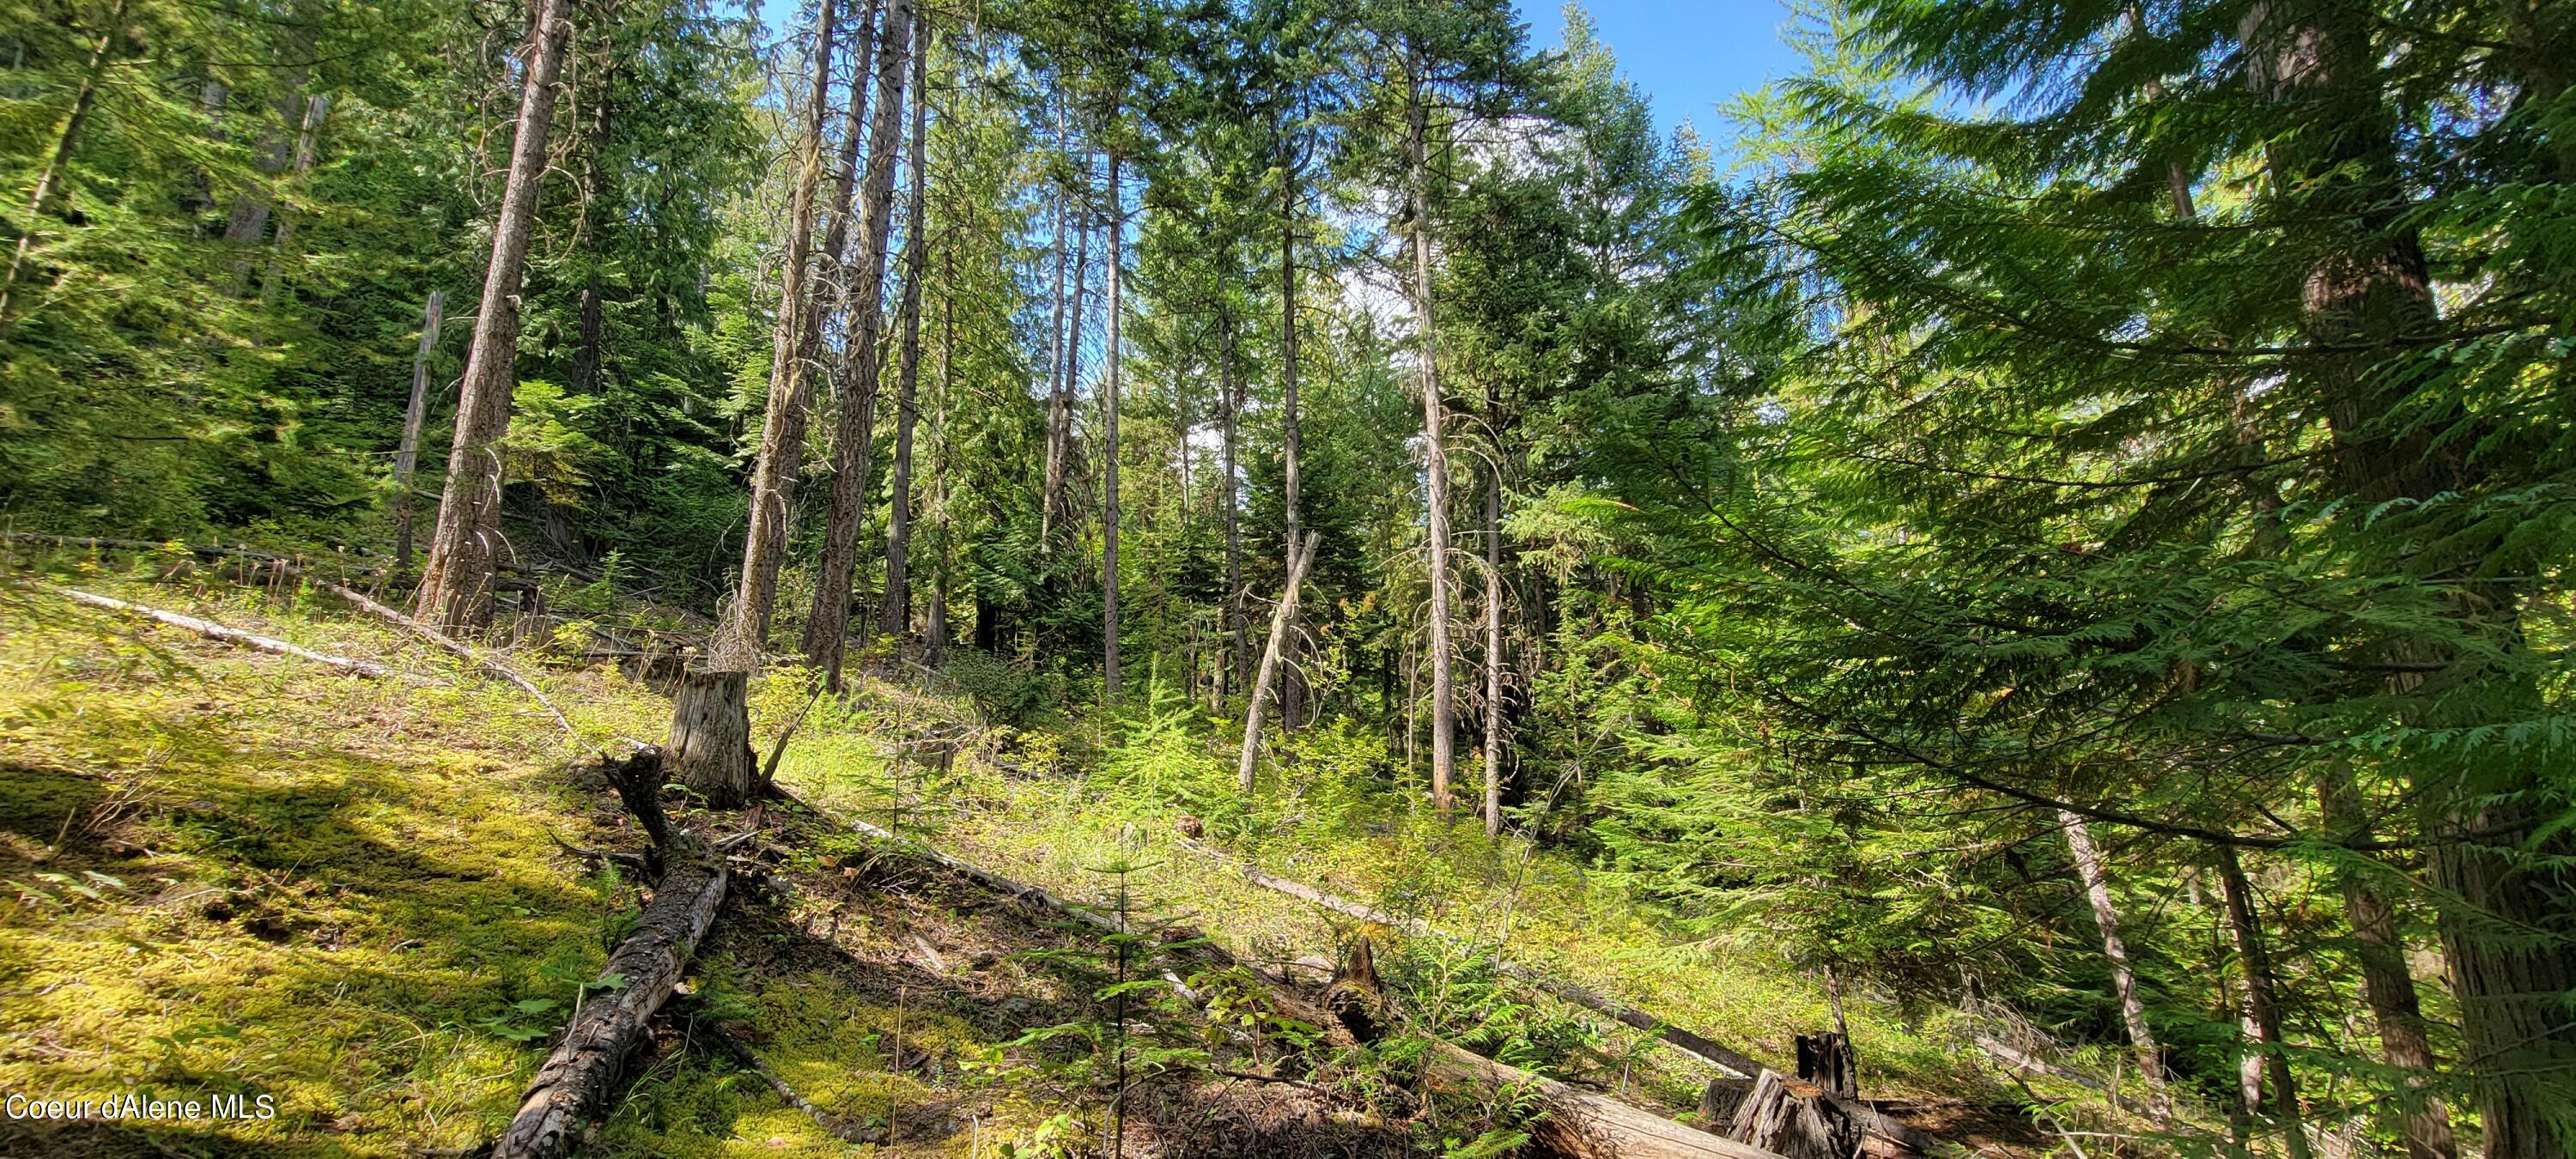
(212, 630)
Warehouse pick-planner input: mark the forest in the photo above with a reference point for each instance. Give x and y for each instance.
(1286, 577)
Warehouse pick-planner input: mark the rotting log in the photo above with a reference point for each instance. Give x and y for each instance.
(1570, 1123)
(574, 1085)
(214, 631)
(1577, 1124)
(1714, 1053)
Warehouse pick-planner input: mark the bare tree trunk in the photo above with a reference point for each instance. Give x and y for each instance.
(828, 625)
(1060, 369)
(2262, 1008)
(1230, 403)
(2322, 63)
(791, 392)
(1494, 628)
(1109, 451)
(2386, 982)
(709, 748)
(2124, 979)
(1279, 627)
(1054, 507)
(1435, 458)
(51, 178)
(415, 416)
(1292, 686)
(896, 619)
(456, 581)
(935, 648)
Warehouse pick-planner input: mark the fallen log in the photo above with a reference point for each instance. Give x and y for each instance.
(208, 628)
(1570, 1123)
(1577, 1124)
(574, 1085)
(1713, 1053)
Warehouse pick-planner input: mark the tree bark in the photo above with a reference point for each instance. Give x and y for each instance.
(709, 749)
(1279, 628)
(2387, 984)
(1109, 449)
(1292, 502)
(896, 619)
(456, 581)
(307, 138)
(2320, 64)
(1052, 507)
(214, 631)
(1435, 459)
(791, 393)
(574, 1085)
(1494, 628)
(50, 179)
(828, 626)
(2124, 979)
(2262, 1007)
(1230, 408)
(415, 416)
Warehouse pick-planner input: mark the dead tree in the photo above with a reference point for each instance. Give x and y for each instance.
(407, 453)
(1279, 622)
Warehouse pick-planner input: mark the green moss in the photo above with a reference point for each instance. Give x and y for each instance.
(331, 893)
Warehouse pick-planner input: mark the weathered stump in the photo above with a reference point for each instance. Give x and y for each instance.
(1826, 1060)
(710, 746)
(1795, 1119)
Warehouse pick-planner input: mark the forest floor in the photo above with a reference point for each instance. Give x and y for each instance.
(230, 872)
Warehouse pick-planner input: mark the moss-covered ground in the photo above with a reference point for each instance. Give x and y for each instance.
(228, 872)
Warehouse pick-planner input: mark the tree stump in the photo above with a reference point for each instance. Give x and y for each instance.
(710, 747)
(1826, 1060)
(1796, 1119)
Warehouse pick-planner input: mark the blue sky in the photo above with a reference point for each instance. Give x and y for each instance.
(1686, 55)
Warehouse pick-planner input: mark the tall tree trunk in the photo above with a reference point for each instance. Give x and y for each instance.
(791, 391)
(2124, 979)
(1292, 686)
(1109, 448)
(1435, 458)
(2320, 64)
(1286, 614)
(1052, 507)
(1494, 628)
(896, 619)
(50, 180)
(829, 623)
(415, 416)
(1230, 403)
(935, 647)
(2262, 1006)
(456, 582)
(2386, 982)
